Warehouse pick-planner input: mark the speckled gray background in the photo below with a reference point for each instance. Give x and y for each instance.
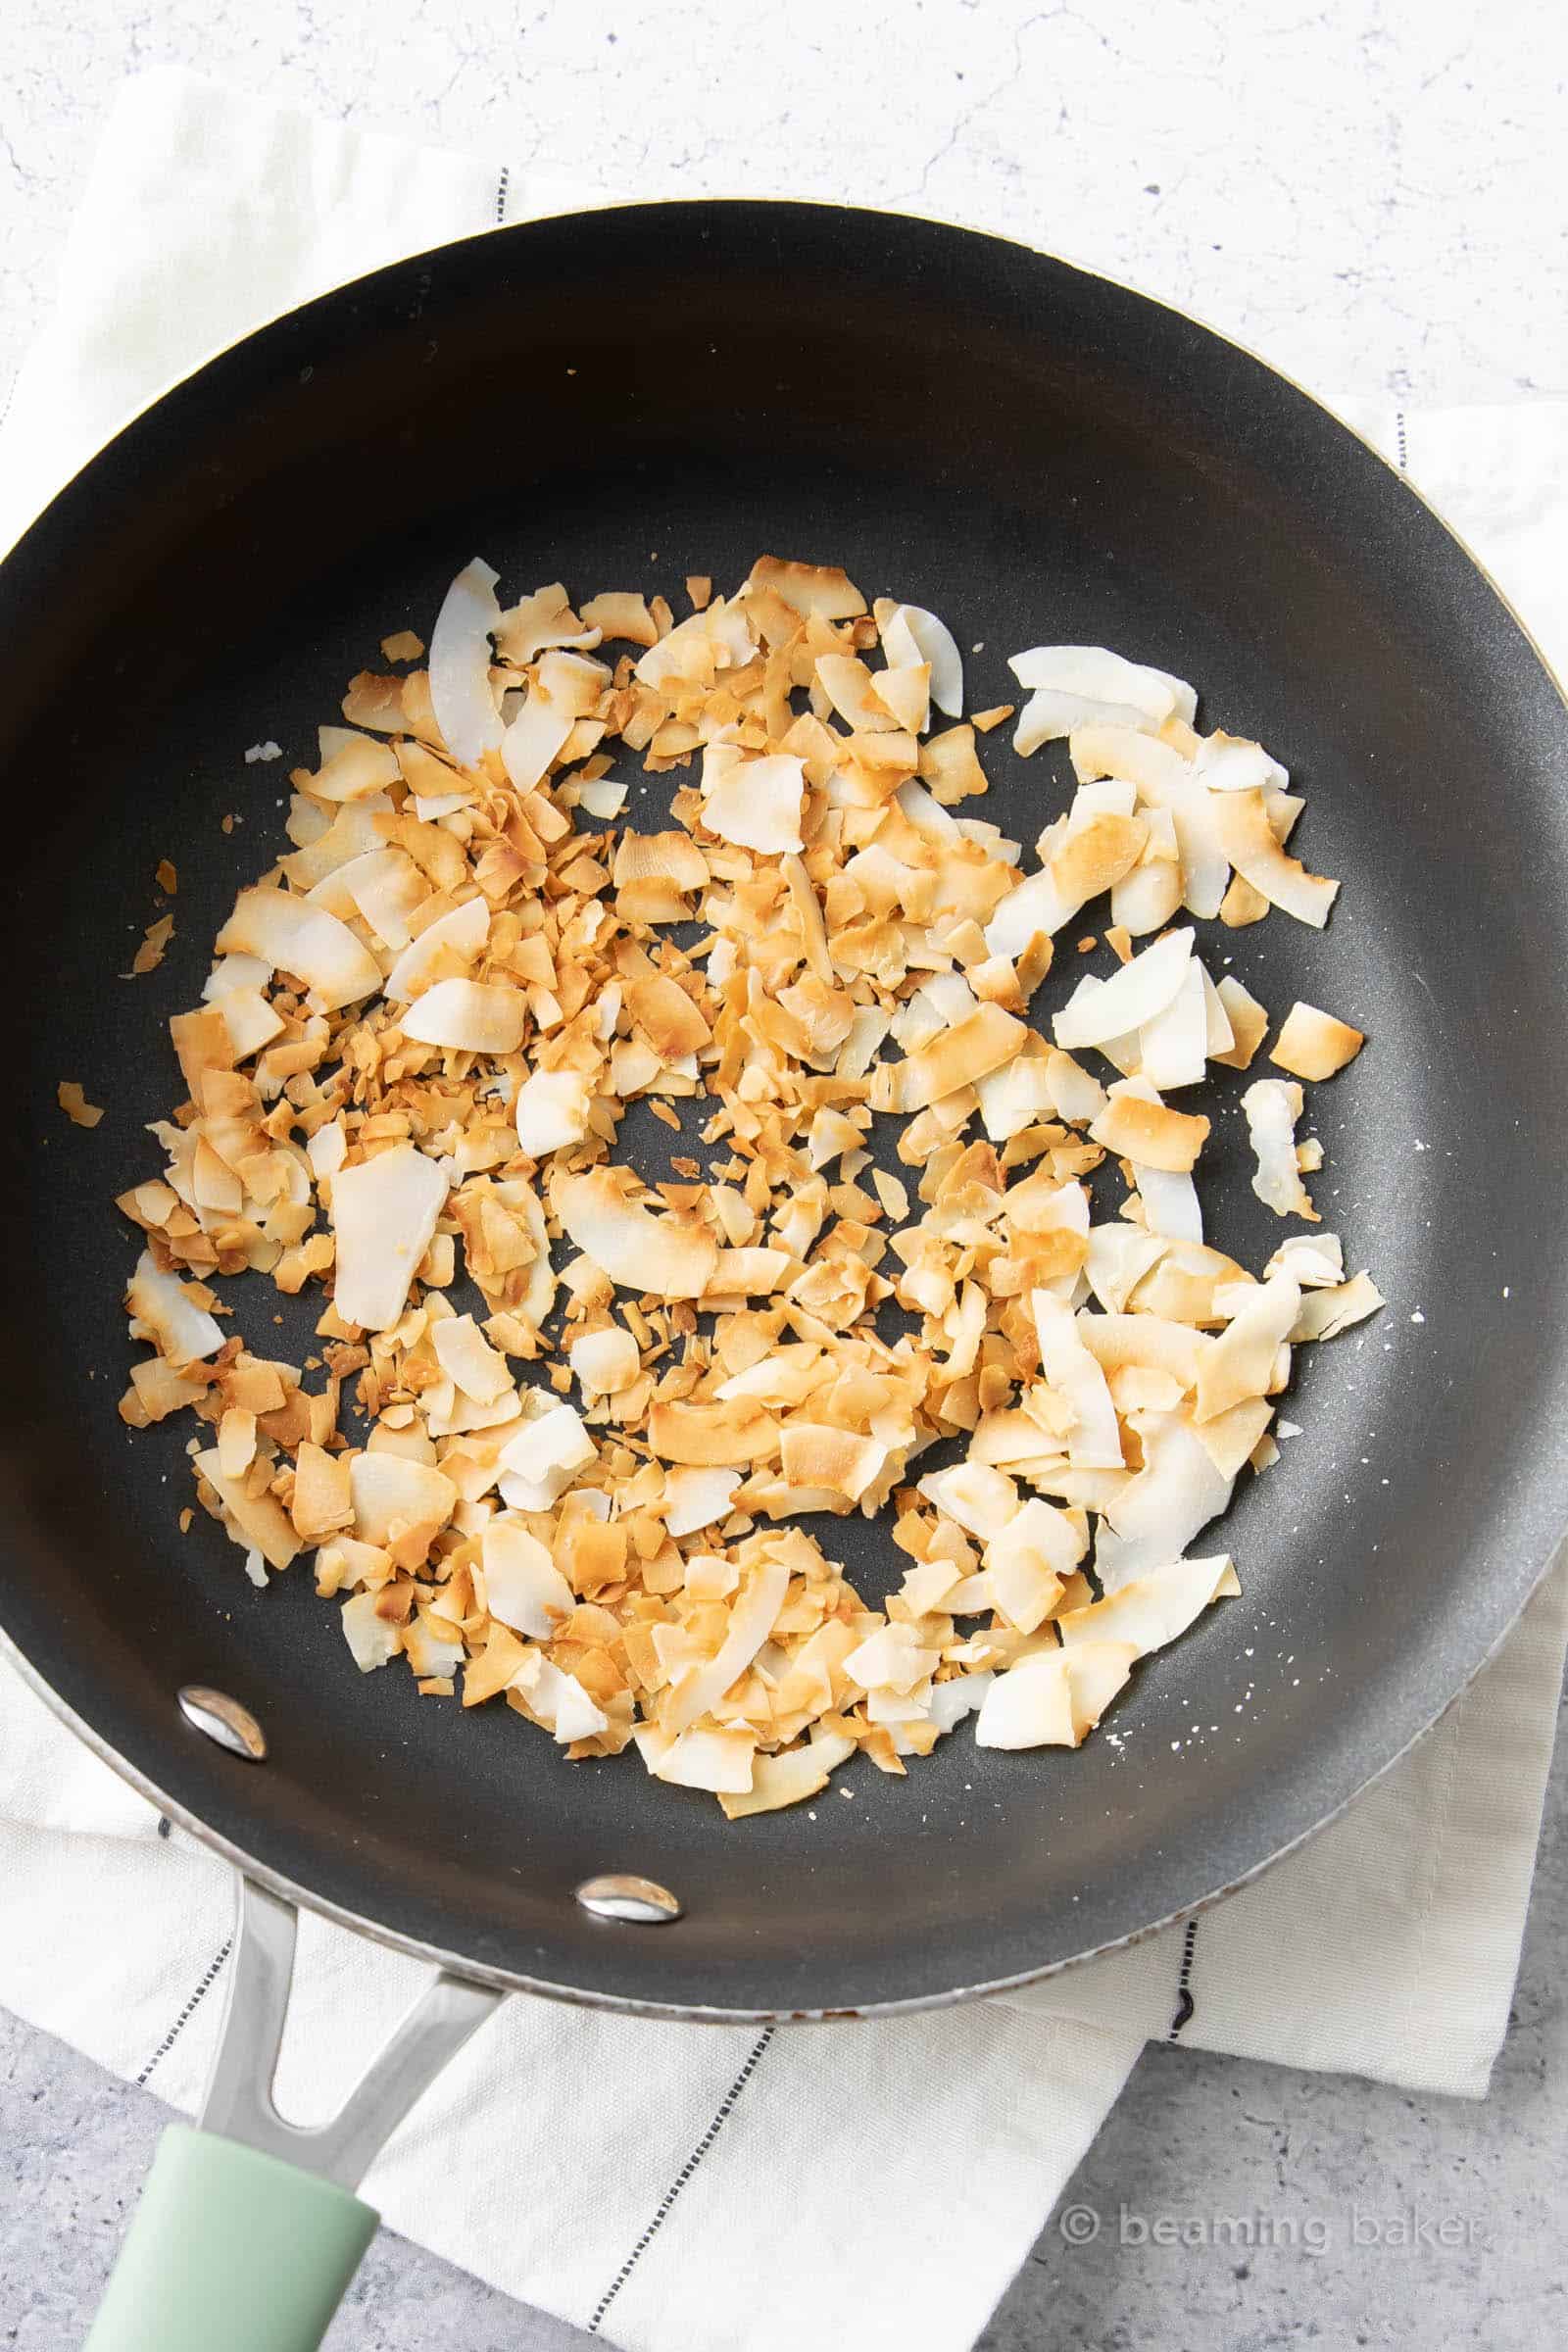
(1371, 194)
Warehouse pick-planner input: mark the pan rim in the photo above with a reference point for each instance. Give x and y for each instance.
(236, 1853)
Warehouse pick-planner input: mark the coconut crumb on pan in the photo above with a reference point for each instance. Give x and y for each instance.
(562, 1418)
(76, 1106)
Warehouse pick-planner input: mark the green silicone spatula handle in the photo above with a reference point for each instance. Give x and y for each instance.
(230, 2251)
(249, 2230)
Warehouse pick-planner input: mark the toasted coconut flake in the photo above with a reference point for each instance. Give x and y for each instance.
(1172, 1047)
(396, 1499)
(605, 1361)
(1240, 1361)
(1149, 1131)
(545, 1457)
(557, 1699)
(1091, 1434)
(468, 1017)
(713, 1435)
(1099, 677)
(354, 767)
(1313, 1044)
(905, 696)
(1078, 686)
(832, 1461)
(621, 614)
(460, 694)
(466, 1357)
(1093, 856)
(323, 1501)
(522, 1585)
(290, 934)
(750, 1621)
(76, 1106)
(720, 1761)
(656, 1257)
(1027, 1561)
(755, 803)
(373, 1639)
(166, 1312)
(1327, 1312)
(384, 1212)
(788, 1779)
(807, 588)
(1118, 1258)
(1096, 1672)
(982, 1500)
(1248, 1022)
(1229, 763)
(254, 1521)
(696, 1497)
(954, 1059)
(1149, 1611)
(552, 1111)
(911, 635)
(534, 740)
(1249, 842)
(236, 1442)
(1315, 1260)
(459, 936)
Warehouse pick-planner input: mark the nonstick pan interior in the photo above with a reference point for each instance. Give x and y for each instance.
(618, 400)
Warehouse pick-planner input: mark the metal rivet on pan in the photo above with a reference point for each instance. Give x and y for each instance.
(224, 1719)
(639, 1900)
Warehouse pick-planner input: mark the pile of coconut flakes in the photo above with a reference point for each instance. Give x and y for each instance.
(410, 1063)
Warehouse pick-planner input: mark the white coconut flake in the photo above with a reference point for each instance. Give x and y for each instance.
(604, 1362)
(468, 1017)
(1153, 1609)
(1160, 1511)
(755, 804)
(384, 1211)
(1314, 1260)
(1272, 1106)
(546, 1456)
(460, 935)
(1094, 1441)
(290, 934)
(919, 636)
(1172, 1047)
(182, 1332)
(1029, 1707)
(1100, 1010)
(534, 738)
(552, 1111)
(460, 693)
(522, 1585)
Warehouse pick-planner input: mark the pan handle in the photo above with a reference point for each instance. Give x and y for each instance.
(230, 2251)
(248, 2231)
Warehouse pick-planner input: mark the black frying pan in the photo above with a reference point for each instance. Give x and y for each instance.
(1037, 455)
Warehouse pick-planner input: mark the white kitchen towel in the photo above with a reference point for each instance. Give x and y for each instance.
(680, 2188)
